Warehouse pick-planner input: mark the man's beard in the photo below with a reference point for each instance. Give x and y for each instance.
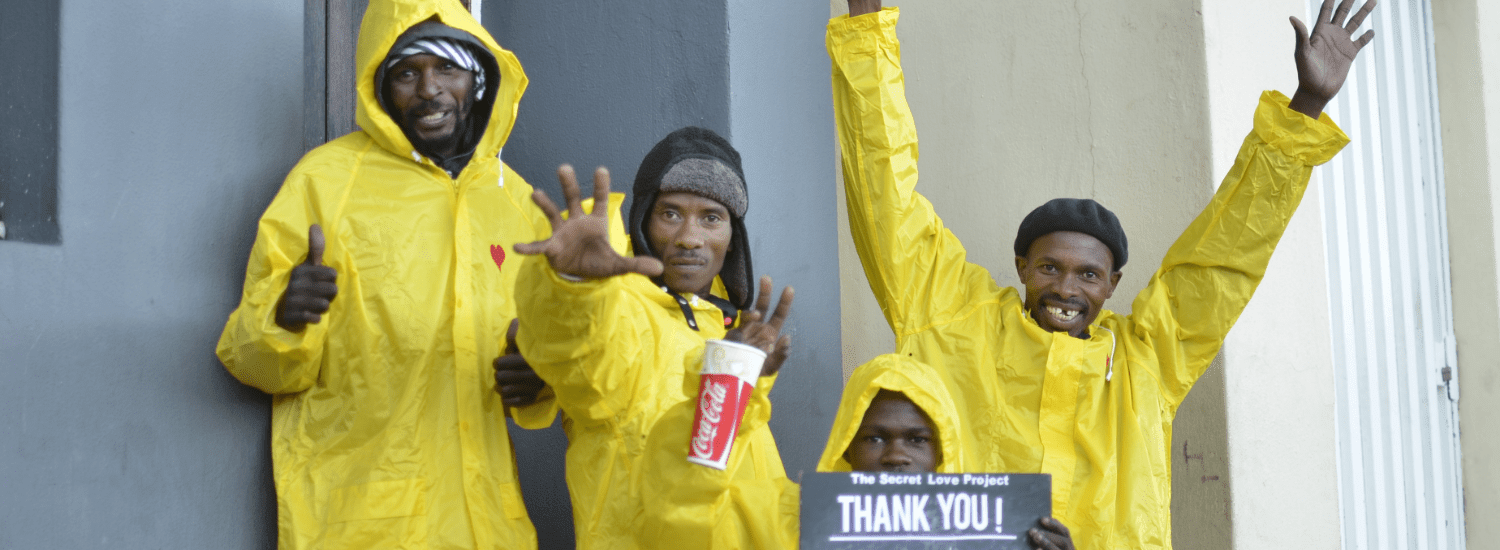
(451, 142)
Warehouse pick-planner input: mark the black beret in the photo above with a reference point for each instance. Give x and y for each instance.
(1080, 215)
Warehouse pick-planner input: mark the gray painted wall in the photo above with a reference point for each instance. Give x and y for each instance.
(121, 429)
(781, 114)
(178, 122)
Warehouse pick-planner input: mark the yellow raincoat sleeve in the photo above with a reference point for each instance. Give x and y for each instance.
(543, 411)
(750, 504)
(1209, 274)
(916, 267)
(582, 338)
(253, 347)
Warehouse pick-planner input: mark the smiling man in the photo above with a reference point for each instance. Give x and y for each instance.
(378, 294)
(1050, 381)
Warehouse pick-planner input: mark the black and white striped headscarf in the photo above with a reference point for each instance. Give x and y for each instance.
(446, 49)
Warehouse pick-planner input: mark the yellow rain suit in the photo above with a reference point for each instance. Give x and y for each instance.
(918, 382)
(1036, 401)
(621, 359)
(386, 432)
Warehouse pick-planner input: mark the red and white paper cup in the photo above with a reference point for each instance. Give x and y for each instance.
(730, 370)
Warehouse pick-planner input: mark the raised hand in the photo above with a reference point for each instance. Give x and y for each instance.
(1324, 57)
(753, 331)
(579, 245)
(515, 381)
(311, 289)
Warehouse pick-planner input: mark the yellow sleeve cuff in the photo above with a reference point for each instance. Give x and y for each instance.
(1312, 142)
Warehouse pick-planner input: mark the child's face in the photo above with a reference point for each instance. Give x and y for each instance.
(895, 436)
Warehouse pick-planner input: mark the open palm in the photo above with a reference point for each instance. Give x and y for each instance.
(1325, 55)
(579, 245)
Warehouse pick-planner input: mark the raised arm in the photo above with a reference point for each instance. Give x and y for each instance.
(915, 266)
(581, 326)
(1210, 273)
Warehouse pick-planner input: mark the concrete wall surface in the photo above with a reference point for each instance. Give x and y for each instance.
(178, 121)
(1468, 69)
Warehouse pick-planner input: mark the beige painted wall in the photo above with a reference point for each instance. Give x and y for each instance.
(1468, 65)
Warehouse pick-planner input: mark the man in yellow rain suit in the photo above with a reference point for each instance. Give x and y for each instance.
(619, 341)
(378, 292)
(1049, 381)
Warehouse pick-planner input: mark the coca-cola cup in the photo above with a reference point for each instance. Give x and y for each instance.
(730, 370)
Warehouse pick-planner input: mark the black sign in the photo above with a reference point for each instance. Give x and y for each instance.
(926, 511)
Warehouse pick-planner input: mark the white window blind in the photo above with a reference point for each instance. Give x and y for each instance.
(1385, 231)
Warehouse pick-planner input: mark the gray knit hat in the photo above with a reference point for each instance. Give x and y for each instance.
(709, 178)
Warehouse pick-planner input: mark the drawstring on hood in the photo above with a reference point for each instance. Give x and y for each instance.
(1109, 362)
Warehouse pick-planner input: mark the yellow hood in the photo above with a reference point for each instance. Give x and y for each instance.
(920, 383)
(384, 22)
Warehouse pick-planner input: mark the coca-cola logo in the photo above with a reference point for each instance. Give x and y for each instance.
(710, 409)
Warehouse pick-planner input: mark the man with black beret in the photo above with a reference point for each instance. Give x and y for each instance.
(620, 341)
(1052, 382)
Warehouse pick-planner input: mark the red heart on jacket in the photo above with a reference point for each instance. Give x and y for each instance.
(498, 253)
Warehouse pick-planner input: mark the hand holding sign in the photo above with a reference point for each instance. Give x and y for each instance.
(311, 288)
(763, 335)
(579, 245)
(1052, 536)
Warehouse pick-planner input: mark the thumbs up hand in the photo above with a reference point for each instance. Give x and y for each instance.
(311, 288)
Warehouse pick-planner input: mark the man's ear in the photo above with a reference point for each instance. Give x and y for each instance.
(1021, 268)
(1114, 281)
